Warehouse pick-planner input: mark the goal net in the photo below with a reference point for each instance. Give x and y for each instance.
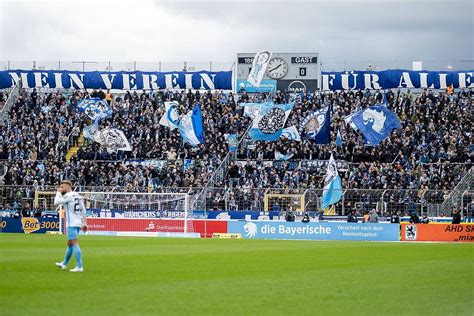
(284, 202)
(129, 214)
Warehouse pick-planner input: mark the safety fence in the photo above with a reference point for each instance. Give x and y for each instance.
(265, 200)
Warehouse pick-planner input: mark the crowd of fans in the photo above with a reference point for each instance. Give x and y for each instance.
(431, 151)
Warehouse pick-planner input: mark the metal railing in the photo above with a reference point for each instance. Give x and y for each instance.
(270, 199)
(219, 174)
(12, 97)
(89, 65)
(326, 65)
(455, 198)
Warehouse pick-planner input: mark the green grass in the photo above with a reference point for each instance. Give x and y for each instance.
(234, 277)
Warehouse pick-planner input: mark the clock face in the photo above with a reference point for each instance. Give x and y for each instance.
(277, 68)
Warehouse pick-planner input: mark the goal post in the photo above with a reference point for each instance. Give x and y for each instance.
(130, 213)
(284, 202)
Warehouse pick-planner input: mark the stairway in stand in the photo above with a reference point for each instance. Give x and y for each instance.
(73, 150)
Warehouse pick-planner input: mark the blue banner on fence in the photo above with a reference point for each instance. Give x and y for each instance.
(267, 85)
(396, 78)
(315, 230)
(28, 225)
(221, 80)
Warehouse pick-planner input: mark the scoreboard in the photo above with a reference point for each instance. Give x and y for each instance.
(292, 72)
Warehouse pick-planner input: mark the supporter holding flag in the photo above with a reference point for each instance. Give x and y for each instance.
(259, 67)
(170, 118)
(332, 192)
(190, 127)
(269, 119)
(316, 126)
(375, 123)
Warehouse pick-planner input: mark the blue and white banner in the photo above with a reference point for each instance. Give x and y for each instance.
(170, 118)
(315, 230)
(268, 119)
(190, 127)
(332, 192)
(375, 123)
(291, 133)
(259, 67)
(396, 78)
(123, 80)
(95, 108)
(266, 85)
(317, 126)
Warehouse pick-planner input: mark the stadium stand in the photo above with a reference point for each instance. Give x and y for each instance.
(430, 152)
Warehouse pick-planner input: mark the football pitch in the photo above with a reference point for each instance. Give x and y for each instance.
(154, 276)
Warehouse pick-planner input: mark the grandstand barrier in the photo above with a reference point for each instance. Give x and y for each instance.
(438, 232)
(315, 230)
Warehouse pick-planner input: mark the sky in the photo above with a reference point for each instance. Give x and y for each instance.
(153, 30)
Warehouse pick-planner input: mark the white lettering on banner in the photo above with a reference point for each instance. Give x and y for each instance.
(188, 81)
(345, 81)
(79, 82)
(129, 81)
(16, 78)
(298, 230)
(40, 79)
(150, 82)
(405, 81)
(424, 80)
(58, 80)
(464, 78)
(328, 81)
(208, 80)
(107, 80)
(170, 81)
(371, 81)
(442, 81)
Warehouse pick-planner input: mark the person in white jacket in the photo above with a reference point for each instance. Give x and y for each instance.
(75, 214)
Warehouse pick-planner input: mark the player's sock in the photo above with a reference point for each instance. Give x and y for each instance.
(68, 255)
(78, 255)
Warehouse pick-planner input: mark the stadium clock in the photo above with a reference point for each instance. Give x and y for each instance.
(277, 68)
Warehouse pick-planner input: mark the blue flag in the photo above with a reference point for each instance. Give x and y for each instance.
(332, 192)
(95, 108)
(338, 139)
(317, 126)
(375, 123)
(190, 127)
(269, 119)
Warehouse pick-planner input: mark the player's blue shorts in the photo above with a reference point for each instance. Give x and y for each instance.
(72, 232)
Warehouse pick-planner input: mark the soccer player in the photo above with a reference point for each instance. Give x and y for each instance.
(75, 220)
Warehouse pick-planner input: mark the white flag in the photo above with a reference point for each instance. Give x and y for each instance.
(259, 66)
(171, 117)
(114, 139)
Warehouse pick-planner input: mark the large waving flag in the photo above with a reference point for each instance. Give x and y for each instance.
(92, 131)
(113, 139)
(259, 66)
(375, 123)
(171, 117)
(317, 126)
(268, 119)
(190, 127)
(291, 133)
(95, 108)
(332, 192)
